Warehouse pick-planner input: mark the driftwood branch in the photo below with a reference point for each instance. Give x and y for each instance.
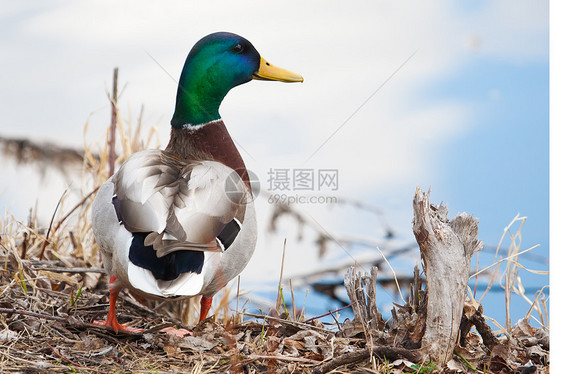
(361, 289)
(472, 316)
(382, 353)
(446, 248)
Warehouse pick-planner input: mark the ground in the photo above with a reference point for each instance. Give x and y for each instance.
(46, 315)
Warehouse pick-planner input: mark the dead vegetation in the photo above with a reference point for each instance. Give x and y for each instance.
(46, 309)
(53, 286)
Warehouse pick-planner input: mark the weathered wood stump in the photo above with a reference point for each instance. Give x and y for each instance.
(430, 324)
(446, 249)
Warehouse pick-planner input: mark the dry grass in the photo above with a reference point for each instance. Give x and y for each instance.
(512, 284)
(53, 286)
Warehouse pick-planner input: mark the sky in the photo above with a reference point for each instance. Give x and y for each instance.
(451, 96)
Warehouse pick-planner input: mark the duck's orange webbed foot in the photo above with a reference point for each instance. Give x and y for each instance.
(111, 320)
(116, 327)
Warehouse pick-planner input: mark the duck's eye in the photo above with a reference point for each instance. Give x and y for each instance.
(238, 48)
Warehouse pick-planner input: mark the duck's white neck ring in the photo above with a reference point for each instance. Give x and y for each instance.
(189, 126)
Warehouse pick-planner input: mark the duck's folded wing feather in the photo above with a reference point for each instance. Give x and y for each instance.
(182, 205)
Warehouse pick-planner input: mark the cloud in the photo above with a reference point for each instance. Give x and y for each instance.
(513, 31)
(61, 59)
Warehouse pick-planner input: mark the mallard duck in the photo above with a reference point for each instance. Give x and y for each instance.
(181, 222)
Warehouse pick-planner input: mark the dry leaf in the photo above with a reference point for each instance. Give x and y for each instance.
(197, 344)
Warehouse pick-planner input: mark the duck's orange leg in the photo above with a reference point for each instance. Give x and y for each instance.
(206, 303)
(111, 320)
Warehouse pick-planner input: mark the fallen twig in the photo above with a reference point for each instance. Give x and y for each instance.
(76, 324)
(284, 358)
(63, 357)
(485, 331)
(32, 314)
(60, 269)
(329, 312)
(383, 352)
(288, 322)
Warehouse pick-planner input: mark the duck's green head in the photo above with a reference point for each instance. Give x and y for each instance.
(217, 63)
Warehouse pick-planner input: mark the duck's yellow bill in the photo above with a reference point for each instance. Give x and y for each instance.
(269, 72)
